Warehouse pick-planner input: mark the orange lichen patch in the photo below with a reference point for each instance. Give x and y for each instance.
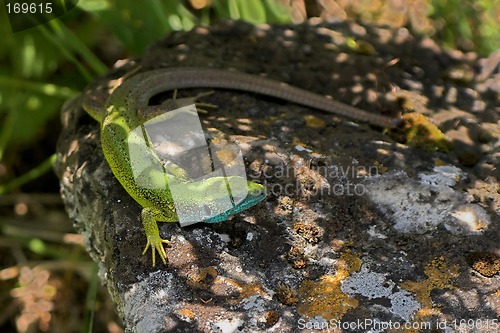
(314, 122)
(422, 316)
(427, 313)
(324, 297)
(297, 257)
(439, 276)
(310, 233)
(338, 244)
(204, 278)
(246, 289)
(186, 313)
(285, 205)
(250, 289)
(348, 263)
(286, 294)
(421, 132)
(485, 263)
(271, 318)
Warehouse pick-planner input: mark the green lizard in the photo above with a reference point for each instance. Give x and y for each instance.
(127, 109)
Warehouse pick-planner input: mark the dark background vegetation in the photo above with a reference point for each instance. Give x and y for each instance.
(47, 282)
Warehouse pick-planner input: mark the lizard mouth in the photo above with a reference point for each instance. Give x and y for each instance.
(256, 190)
(256, 193)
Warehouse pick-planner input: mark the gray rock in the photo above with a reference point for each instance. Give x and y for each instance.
(357, 228)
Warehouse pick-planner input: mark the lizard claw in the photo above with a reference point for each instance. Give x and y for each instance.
(156, 244)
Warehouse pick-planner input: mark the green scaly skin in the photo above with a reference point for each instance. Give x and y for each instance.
(118, 117)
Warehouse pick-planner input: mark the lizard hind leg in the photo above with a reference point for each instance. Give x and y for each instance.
(184, 101)
(150, 216)
(149, 112)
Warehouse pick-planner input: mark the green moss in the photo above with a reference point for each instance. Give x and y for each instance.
(422, 133)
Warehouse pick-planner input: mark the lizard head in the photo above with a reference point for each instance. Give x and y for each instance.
(256, 193)
(243, 200)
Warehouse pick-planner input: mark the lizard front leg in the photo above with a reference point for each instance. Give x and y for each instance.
(150, 218)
